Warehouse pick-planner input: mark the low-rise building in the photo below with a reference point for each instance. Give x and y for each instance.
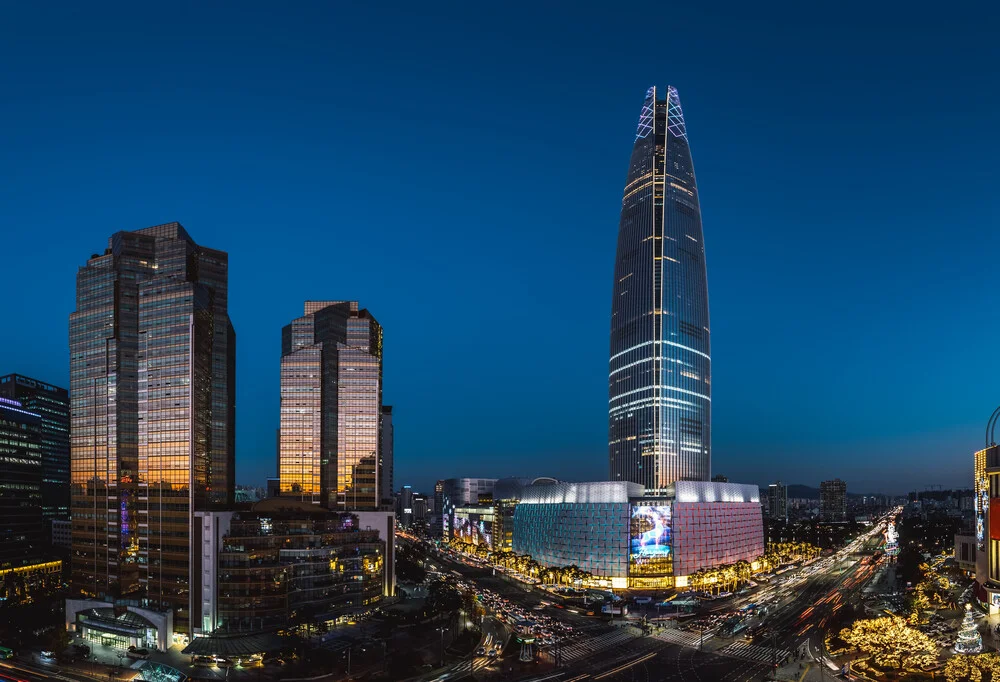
(62, 532)
(614, 531)
(965, 552)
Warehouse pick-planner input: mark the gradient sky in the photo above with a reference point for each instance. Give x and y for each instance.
(459, 171)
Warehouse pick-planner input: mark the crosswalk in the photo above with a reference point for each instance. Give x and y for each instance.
(683, 637)
(583, 648)
(753, 652)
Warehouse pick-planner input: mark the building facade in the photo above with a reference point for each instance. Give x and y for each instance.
(627, 537)
(152, 398)
(330, 438)
(833, 500)
(581, 524)
(474, 523)
(62, 533)
(659, 375)
(51, 404)
(458, 492)
(386, 457)
(404, 506)
(715, 524)
(965, 552)
(287, 562)
(777, 501)
(987, 489)
(22, 531)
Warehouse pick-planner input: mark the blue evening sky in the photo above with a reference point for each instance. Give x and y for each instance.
(458, 169)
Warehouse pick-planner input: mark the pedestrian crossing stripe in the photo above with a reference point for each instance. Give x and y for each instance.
(752, 652)
(683, 637)
(588, 647)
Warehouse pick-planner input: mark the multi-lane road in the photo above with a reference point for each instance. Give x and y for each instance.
(801, 603)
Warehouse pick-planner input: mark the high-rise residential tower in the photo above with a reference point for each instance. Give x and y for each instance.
(833, 500)
(152, 390)
(51, 404)
(330, 440)
(659, 376)
(777, 501)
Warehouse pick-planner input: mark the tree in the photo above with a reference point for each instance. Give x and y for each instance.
(409, 564)
(961, 668)
(891, 642)
(442, 600)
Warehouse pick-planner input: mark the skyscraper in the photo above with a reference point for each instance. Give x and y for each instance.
(152, 390)
(21, 529)
(330, 440)
(777, 501)
(833, 500)
(659, 378)
(51, 404)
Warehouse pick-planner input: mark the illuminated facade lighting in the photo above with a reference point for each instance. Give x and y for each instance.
(659, 418)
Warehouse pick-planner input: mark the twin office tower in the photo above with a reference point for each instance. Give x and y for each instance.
(153, 414)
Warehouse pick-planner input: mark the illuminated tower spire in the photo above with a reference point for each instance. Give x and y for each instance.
(659, 375)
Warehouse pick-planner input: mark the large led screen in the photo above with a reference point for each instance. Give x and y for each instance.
(649, 534)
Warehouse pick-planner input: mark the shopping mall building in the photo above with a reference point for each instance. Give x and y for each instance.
(987, 548)
(614, 531)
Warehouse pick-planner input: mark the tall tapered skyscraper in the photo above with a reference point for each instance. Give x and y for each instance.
(152, 402)
(330, 438)
(659, 379)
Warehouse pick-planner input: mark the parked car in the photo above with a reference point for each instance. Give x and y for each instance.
(136, 652)
(203, 661)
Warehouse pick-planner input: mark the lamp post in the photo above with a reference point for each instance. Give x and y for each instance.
(441, 630)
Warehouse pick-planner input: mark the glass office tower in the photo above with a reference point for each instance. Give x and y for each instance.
(659, 378)
(51, 404)
(22, 532)
(330, 438)
(152, 390)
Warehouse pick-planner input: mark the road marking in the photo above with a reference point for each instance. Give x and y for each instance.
(752, 652)
(628, 665)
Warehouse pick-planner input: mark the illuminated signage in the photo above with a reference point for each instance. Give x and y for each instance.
(649, 533)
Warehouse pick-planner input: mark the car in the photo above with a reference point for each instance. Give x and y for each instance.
(223, 662)
(494, 653)
(49, 655)
(135, 652)
(202, 661)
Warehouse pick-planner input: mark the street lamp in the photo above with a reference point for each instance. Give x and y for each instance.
(441, 630)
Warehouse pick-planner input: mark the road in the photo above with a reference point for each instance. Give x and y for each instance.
(801, 602)
(603, 653)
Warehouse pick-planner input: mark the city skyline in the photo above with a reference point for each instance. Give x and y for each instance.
(816, 377)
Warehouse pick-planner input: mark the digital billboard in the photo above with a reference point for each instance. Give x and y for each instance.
(475, 526)
(649, 531)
